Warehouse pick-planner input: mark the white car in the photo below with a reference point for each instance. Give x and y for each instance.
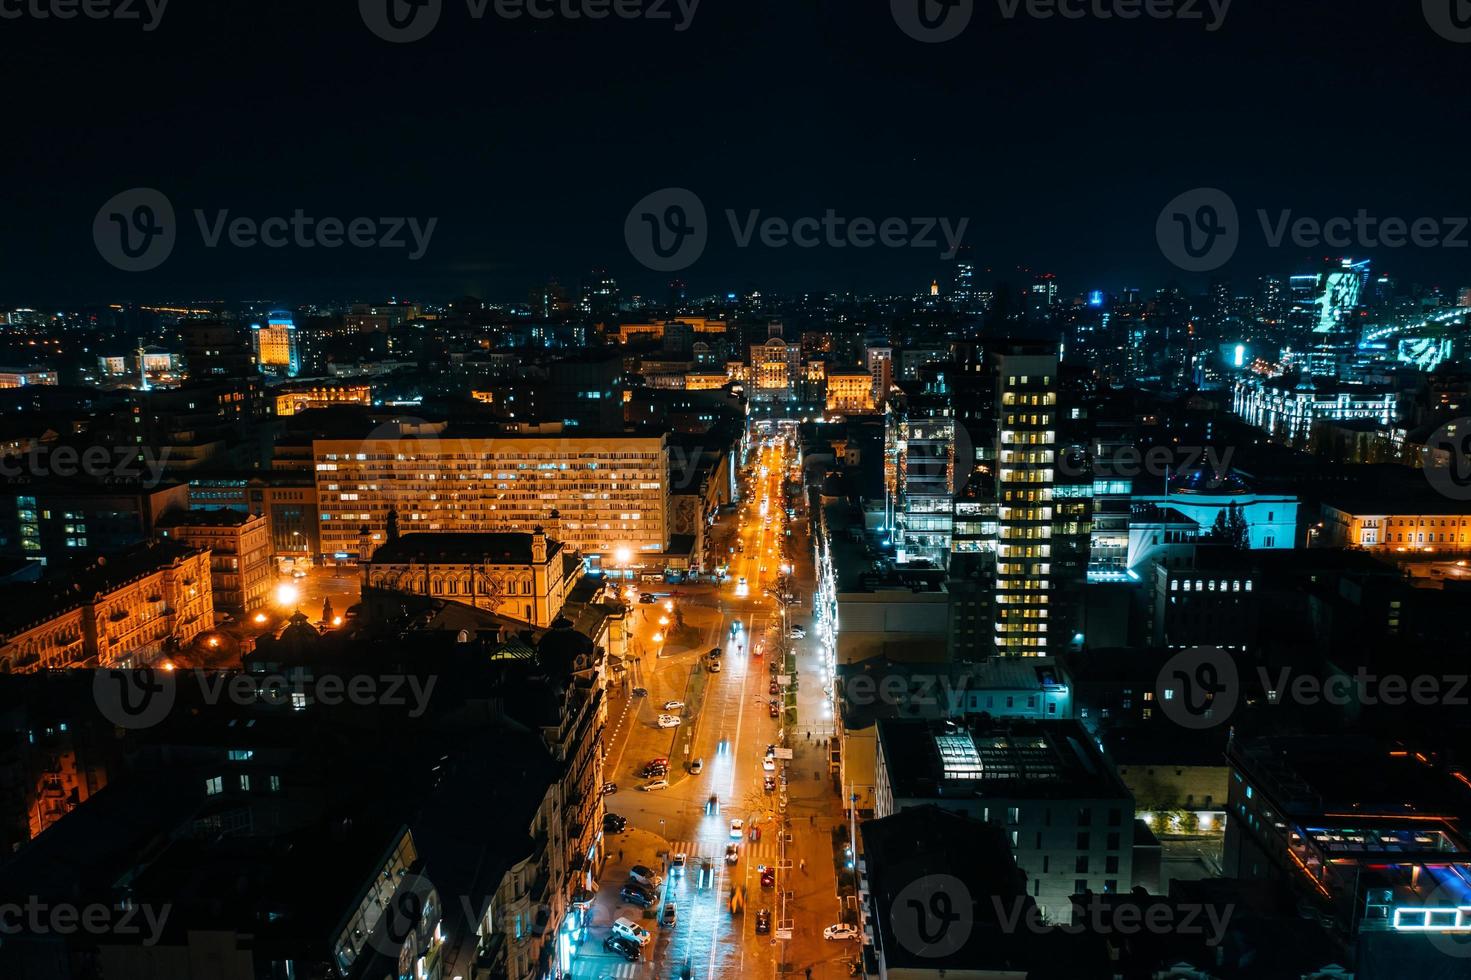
(673, 705)
(677, 863)
(768, 764)
(655, 784)
(629, 929)
(737, 828)
(842, 931)
(669, 721)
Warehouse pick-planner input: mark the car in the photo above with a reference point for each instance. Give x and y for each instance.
(697, 766)
(609, 788)
(774, 687)
(626, 928)
(740, 584)
(715, 666)
(670, 916)
(636, 896)
(673, 705)
(732, 853)
(677, 863)
(769, 784)
(613, 823)
(768, 877)
(654, 772)
(648, 598)
(655, 784)
(763, 921)
(771, 751)
(669, 721)
(659, 760)
(640, 692)
(773, 709)
(714, 653)
(759, 652)
(736, 627)
(625, 948)
(645, 876)
(768, 764)
(298, 573)
(712, 805)
(799, 632)
(737, 827)
(840, 932)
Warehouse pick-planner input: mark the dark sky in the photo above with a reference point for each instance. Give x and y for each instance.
(1059, 140)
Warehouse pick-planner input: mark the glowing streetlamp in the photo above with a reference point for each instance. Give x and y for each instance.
(287, 594)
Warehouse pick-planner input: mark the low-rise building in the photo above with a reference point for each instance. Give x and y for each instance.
(240, 554)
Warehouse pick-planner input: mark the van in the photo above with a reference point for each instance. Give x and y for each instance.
(628, 929)
(651, 578)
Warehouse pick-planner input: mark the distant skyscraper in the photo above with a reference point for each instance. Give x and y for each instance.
(216, 349)
(1026, 436)
(274, 344)
(599, 295)
(963, 294)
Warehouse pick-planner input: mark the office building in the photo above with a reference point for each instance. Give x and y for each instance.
(274, 345)
(1026, 392)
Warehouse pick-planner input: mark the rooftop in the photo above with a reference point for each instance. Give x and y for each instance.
(491, 548)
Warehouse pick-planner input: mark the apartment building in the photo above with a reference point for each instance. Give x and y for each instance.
(240, 553)
(598, 494)
(1026, 392)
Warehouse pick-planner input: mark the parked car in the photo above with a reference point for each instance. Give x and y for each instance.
(763, 921)
(799, 632)
(655, 784)
(613, 823)
(640, 692)
(622, 947)
(669, 721)
(840, 932)
(670, 916)
(646, 876)
(774, 688)
(715, 666)
(647, 598)
(659, 761)
(768, 877)
(609, 788)
(737, 828)
(636, 896)
(768, 764)
(626, 928)
(773, 708)
(770, 784)
(673, 705)
(697, 766)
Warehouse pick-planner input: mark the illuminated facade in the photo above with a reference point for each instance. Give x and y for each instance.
(596, 494)
(1402, 526)
(240, 553)
(123, 612)
(849, 391)
(275, 344)
(21, 377)
(1026, 391)
(299, 398)
(1287, 409)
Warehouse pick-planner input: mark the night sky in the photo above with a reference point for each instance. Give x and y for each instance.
(1059, 140)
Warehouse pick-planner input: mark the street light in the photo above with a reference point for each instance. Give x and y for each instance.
(287, 594)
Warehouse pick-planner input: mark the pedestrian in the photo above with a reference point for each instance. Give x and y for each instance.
(620, 854)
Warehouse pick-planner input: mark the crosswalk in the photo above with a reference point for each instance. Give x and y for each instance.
(765, 851)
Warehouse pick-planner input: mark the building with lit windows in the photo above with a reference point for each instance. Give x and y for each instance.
(599, 495)
(55, 522)
(1286, 408)
(921, 431)
(294, 398)
(849, 391)
(1427, 524)
(1026, 392)
(240, 553)
(775, 368)
(274, 345)
(121, 611)
(516, 575)
(21, 377)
